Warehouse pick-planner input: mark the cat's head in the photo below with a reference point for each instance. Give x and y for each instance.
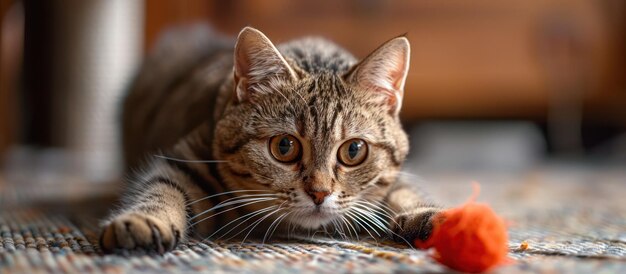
(324, 138)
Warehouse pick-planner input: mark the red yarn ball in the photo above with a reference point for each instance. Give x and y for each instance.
(470, 238)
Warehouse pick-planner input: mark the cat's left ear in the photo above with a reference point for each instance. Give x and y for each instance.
(259, 67)
(384, 72)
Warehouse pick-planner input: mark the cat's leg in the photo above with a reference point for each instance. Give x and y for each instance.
(153, 217)
(414, 214)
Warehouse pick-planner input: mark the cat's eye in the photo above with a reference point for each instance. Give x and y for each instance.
(285, 148)
(352, 152)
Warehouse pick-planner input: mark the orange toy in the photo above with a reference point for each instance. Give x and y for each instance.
(470, 238)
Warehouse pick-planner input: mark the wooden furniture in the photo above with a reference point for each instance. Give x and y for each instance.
(488, 59)
(484, 59)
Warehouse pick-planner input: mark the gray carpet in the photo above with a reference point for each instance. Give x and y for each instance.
(573, 219)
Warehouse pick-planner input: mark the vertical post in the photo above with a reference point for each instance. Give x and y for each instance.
(97, 48)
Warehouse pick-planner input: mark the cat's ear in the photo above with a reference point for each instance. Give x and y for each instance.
(384, 72)
(258, 65)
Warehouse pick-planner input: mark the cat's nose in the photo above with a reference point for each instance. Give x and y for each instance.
(318, 196)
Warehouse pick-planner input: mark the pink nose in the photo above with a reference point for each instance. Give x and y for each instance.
(318, 196)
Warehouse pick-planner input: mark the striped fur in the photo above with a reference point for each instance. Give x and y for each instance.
(209, 117)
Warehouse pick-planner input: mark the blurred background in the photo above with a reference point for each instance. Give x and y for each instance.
(495, 87)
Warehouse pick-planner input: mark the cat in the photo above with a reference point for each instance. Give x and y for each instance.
(251, 139)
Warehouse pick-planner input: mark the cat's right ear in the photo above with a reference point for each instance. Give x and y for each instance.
(259, 67)
(383, 73)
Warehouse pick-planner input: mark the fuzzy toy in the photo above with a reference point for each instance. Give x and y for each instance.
(469, 238)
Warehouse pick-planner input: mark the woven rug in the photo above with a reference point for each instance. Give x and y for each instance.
(574, 221)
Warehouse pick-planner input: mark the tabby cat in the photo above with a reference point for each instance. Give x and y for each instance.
(262, 141)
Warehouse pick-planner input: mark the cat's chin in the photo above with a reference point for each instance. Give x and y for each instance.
(314, 219)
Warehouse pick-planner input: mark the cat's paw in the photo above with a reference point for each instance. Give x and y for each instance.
(139, 231)
(414, 225)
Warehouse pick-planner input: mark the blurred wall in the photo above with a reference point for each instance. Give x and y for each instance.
(559, 63)
(478, 59)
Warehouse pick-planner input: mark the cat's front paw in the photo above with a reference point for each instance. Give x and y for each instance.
(139, 231)
(414, 225)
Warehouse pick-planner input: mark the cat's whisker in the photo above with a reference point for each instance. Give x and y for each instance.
(375, 216)
(189, 161)
(348, 226)
(241, 197)
(377, 210)
(334, 230)
(260, 200)
(256, 223)
(339, 229)
(403, 209)
(384, 228)
(359, 224)
(269, 228)
(370, 222)
(315, 233)
(381, 225)
(374, 207)
(248, 216)
(284, 218)
(375, 222)
(335, 227)
(381, 205)
(362, 223)
(325, 230)
(237, 199)
(224, 193)
(277, 222)
(225, 204)
(273, 209)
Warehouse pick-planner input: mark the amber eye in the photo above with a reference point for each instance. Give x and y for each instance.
(285, 148)
(352, 152)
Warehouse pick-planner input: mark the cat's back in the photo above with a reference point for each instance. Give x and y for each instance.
(174, 90)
